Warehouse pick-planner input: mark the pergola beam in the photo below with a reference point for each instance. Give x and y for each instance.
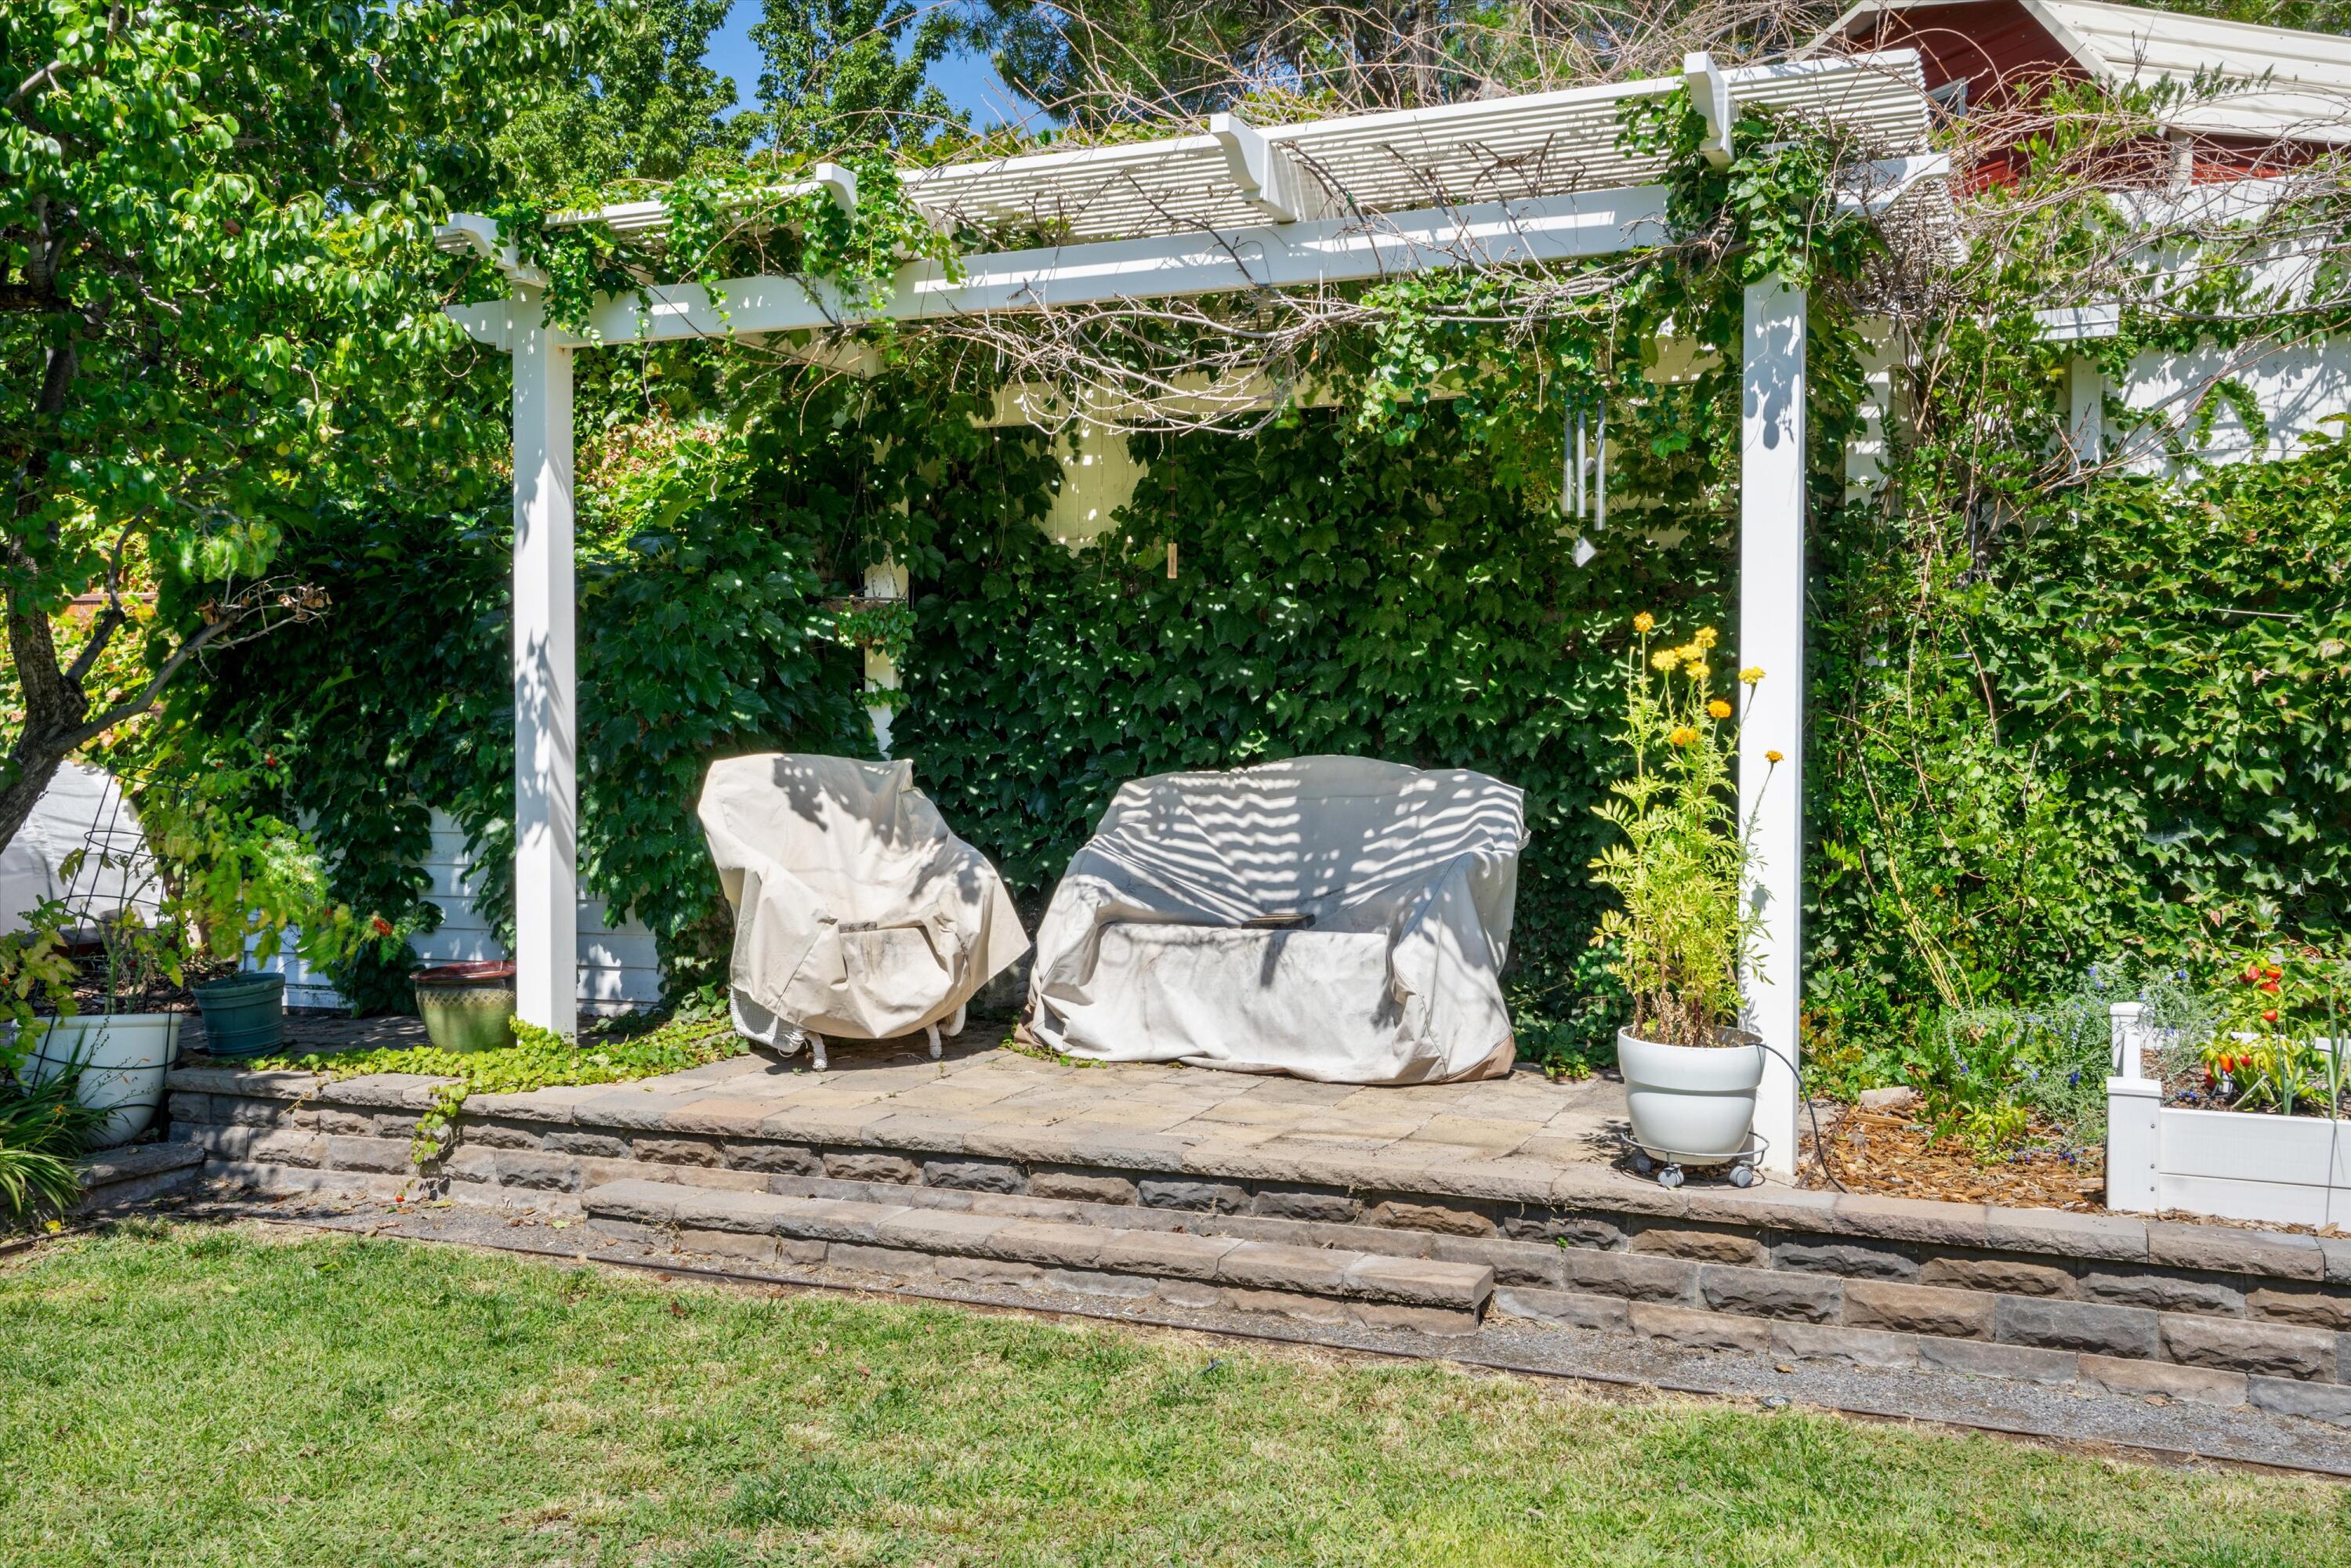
(1326, 251)
(1323, 252)
(1268, 176)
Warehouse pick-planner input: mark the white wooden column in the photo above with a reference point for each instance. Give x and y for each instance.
(2134, 1116)
(546, 684)
(1771, 635)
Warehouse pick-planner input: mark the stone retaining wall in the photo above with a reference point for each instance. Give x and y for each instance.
(2200, 1309)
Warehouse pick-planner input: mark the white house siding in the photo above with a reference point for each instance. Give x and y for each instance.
(2298, 389)
(1098, 477)
(620, 966)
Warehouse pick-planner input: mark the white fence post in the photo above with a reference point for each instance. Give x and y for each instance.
(1771, 635)
(2134, 1104)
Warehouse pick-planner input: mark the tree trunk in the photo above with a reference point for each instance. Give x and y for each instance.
(54, 709)
(18, 798)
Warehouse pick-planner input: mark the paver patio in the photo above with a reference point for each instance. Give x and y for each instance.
(990, 1095)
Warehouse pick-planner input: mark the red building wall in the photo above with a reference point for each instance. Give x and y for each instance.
(2008, 57)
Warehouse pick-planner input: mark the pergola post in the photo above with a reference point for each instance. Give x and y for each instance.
(1771, 635)
(546, 681)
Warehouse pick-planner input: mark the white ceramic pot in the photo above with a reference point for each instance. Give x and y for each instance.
(123, 1058)
(1693, 1100)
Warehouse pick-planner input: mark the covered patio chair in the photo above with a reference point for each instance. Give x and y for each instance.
(857, 914)
(1331, 917)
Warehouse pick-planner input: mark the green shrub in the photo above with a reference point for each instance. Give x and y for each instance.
(42, 1127)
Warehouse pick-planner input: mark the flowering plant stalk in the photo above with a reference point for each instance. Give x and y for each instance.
(1684, 928)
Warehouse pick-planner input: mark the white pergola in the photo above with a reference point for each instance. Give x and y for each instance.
(1517, 181)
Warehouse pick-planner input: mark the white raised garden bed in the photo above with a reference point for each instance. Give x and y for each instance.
(2229, 1164)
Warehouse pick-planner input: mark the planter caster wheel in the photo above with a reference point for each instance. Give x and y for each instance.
(1642, 1163)
(1670, 1177)
(1742, 1175)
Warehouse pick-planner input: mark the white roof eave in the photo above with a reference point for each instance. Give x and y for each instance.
(2299, 83)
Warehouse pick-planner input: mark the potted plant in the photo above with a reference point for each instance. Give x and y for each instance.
(250, 884)
(467, 1007)
(1682, 929)
(43, 1126)
(203, 872)
(111, 1035)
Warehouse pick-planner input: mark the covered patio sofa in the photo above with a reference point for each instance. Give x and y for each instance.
(1332, 918)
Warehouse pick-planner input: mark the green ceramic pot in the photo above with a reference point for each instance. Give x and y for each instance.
(467, 1007)
(244, 1014)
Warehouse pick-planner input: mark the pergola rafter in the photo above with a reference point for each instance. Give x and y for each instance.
(1518, 183)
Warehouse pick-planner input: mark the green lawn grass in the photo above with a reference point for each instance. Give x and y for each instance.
(198, 1397)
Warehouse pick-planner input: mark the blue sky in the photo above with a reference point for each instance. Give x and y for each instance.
(969, 81)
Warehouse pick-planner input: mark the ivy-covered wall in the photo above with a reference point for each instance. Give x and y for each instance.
(1333, 593)
(704, 569)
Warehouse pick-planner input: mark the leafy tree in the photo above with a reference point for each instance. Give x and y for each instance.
(642, 106)
(1119, 59)
(219, 306)
(851, 73)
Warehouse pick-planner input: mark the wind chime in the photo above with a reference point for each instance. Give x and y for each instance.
(1584, 474)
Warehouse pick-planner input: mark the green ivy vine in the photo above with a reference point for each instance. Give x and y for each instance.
(538, 1059)
(759, 220)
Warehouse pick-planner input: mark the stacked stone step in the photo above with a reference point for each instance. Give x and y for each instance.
(2196, 1312)
(1178, 1266)
(140, 1173)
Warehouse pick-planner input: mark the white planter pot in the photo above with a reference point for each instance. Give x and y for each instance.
(1691, 1101)
(123, 1058)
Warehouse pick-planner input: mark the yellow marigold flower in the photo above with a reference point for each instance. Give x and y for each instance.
(1683, 734)
(1718, 708)
(1644, 621)
(1705, 637)
(1752, 674)
(1696, 668)
(1667, 658)
(1774, 757)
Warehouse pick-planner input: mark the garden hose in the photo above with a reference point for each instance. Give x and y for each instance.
(1820, 1145)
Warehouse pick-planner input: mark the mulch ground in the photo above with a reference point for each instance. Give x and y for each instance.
(1893, 1154)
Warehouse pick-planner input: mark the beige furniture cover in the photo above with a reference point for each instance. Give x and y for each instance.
(1332, 918)
(857, 913)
